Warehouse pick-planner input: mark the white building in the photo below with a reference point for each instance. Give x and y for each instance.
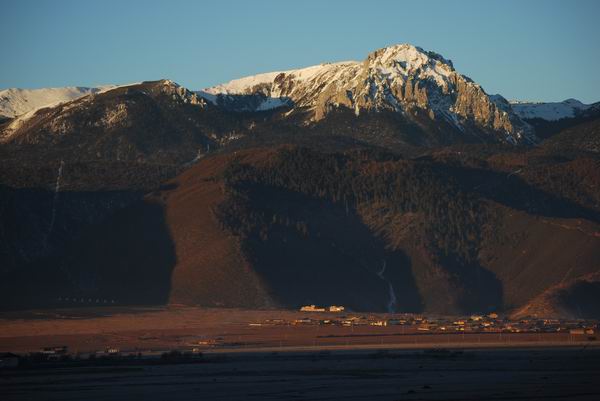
(312, 308)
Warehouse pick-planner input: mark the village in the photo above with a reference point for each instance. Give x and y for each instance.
(322, 328)
(476, 323)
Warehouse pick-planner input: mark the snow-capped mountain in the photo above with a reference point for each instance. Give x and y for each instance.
(549, 111)
(401, 78)
(15, 102)
(155, 181)
(23, 104)
(156, 120)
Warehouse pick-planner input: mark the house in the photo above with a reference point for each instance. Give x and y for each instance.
(62, 350)
(312, 308)
(207, 342)
(8, 360)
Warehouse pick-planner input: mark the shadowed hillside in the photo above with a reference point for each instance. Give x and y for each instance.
(574, 299)
(288, 226)
(467, 228)
(127, 259)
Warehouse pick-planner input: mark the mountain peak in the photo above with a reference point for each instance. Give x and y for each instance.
(169, 82)
(402, 78)
(573, 102)
(411, 56)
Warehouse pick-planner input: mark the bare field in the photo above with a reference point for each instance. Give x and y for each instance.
(508, 374)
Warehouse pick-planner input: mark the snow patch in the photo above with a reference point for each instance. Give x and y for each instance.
(242, 86)
(391, 306)
(549, 111)
(54, 203)
(15, 102)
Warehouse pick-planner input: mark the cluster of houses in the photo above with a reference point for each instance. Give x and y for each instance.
(57, 353)
(54, 353)
(421, 324)
(410, 323)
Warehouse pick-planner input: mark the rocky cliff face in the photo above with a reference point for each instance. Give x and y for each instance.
(402, 78)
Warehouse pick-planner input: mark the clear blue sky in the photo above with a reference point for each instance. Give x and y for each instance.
(536, 50)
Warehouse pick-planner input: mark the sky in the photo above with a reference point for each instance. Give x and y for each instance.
(542, 50)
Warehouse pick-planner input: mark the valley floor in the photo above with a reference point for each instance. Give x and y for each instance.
(229, 354)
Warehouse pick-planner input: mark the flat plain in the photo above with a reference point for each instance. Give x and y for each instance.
(508, 374)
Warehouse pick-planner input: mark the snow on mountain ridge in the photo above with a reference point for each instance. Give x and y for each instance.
(389, 66)
(265, 84)
(30, 101)
(551, 111)
(405, 57)
(241, 85)
(402, 78)
(15, 101)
